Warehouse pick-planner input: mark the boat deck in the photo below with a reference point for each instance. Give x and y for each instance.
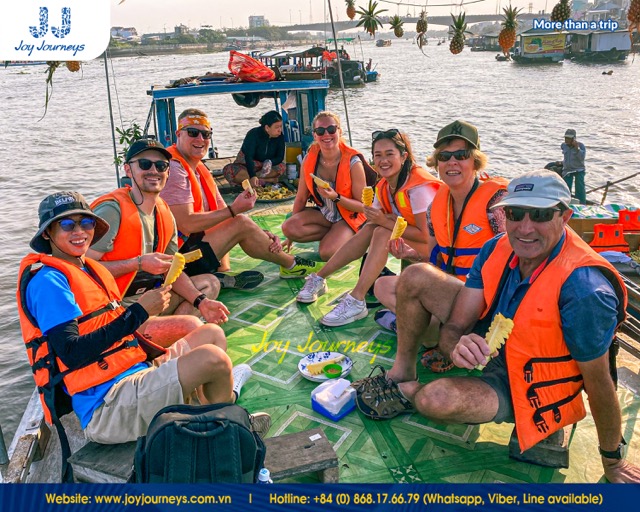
(270, 331)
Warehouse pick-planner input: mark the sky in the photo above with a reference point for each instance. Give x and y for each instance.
(160, 15)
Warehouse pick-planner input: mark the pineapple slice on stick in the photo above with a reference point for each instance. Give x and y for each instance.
(367, 196)
(399, 228)
(246, 184)
(320, 182)
(316, 368)
(192, 256)
(177, 265)
(499, 331)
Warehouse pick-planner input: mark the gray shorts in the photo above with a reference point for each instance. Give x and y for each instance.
(495, 374)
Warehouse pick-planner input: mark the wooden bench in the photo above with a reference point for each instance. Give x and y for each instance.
(287, 456)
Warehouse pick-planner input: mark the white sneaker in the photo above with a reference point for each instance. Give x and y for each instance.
(241, 374)
(312, 289)
(349, 310)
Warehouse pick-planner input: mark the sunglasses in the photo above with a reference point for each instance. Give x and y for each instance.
(194, 132)
(460, 154)
(145, 164)
(386, 134)
(329, 129)
(516, 214)
(86, 224)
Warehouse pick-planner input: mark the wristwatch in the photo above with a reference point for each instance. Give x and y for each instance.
(198, 300)
(615, 454)
(338, 197)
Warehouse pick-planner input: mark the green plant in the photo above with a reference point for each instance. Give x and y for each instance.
(127, 137)
(369, 17)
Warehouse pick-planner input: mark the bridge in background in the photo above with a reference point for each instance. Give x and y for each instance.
(409, 22)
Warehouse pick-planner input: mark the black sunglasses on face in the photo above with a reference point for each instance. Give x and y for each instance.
(321, 129)
(145, 164)
(86, 224)
(386, 134)
(516, 214)
(460, 154)
(194, 132)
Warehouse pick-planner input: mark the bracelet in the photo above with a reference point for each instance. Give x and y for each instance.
(198, 300)
(233, 214)
(338, 197)
(139, 263)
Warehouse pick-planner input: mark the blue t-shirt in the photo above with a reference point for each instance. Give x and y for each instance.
(51, 302)
(588, 303)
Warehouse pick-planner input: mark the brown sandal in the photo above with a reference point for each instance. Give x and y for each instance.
(436, 361)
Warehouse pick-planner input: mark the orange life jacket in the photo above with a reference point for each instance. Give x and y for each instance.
(630, 220)
(474, 229)
(129, 241)
(206, 181)
(546, 384)
(98, 297)
(417, 177)
(343, 181)
(609, 237)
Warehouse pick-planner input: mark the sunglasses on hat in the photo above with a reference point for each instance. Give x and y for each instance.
(145, 164)
(194, 132)
(384, 134)
(329, 129)
(516, 214)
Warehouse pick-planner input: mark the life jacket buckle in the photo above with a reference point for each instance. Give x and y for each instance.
(103, 364)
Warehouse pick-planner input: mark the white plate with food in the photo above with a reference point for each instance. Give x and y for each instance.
(310, 366)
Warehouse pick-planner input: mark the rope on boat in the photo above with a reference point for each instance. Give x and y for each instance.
(344, 95)
(113, 128)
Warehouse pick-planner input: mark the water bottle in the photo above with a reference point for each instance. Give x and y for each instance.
(264, 476)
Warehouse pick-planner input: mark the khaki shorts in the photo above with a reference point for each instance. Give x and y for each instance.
(131, 404)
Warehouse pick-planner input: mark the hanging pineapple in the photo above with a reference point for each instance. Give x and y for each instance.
(351, 8)
(561, 11)
(73, 65)
(421, 25)
(459, 28)
(397, 25)
(634, 18)
(507, 37)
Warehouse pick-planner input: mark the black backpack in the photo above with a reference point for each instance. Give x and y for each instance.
(199, 444)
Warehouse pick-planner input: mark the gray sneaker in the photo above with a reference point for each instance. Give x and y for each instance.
(312, 289)
(347, 311)
(260, 423)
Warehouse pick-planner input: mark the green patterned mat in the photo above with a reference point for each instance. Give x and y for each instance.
(270, 331)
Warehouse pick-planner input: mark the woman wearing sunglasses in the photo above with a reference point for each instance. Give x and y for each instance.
(460, 219)
(338, 213)
(405, 189)
(261, 156)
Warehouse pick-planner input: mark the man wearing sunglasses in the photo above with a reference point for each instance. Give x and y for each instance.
(205, 221)
(139, 246)
(565, 301)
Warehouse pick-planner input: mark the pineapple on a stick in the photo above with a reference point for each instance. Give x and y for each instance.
(459, 29)
(561, 11)
(351, 8)
(397, 25)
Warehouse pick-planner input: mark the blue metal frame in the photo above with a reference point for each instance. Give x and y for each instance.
(295, 130)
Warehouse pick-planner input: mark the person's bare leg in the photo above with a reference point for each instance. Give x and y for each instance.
(241, 230)
(385, 291)
(309, 225)
(206, 368)
(166, 330)
(377, 257)
(453, 399)
(205, 283)
(338, 235)
(422, 291)
(352, 250)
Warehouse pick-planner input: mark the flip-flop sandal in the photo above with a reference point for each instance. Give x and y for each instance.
(435, 361)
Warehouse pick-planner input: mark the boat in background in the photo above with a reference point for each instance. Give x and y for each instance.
(539, 47)
(598, 46)
(383, 42)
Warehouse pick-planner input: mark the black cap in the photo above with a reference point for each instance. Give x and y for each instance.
(144, 145)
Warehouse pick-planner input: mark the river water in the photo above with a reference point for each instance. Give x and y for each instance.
(521, 113)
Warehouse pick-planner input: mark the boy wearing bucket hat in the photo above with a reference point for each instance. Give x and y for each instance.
(565, 302)
(79, 336)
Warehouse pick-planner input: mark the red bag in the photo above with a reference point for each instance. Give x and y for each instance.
(249, 69)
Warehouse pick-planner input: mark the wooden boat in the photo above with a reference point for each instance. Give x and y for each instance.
(383, 42)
